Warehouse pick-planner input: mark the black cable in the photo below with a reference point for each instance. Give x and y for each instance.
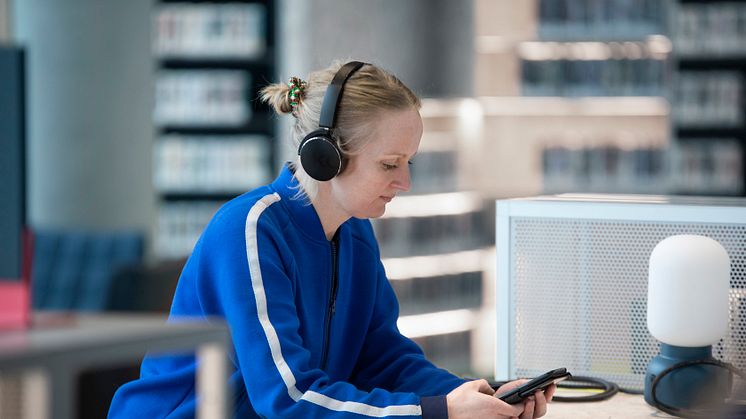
(610, 389)
(593, 383)
(631, 391)
(689, 413)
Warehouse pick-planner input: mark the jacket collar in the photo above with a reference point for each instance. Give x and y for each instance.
(302, 212)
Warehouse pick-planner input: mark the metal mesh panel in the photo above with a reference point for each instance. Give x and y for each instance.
(579, 295)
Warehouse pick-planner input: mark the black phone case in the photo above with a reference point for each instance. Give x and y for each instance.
(541, 382)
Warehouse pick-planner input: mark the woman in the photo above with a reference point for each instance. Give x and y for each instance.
(295, 270)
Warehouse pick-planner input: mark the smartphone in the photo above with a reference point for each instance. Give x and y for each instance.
(539, 383)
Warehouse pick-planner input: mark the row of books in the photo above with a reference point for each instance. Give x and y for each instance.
(229, 30)
(202, 97)
(439, 293)
(644, 77)
(409, 236)
(709, 98)
(715, 29)
(179, 226)
(605, 168)
(211, 163)
(709, 165)
(608, 19)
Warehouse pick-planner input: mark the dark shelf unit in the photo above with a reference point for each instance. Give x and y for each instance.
(694, 132)
(202, 2)
(13, 144)
(707, 1)
(692, 64)
(260, 66)
(261, 69)
(260, 123)
(199, 196)
(709, 63)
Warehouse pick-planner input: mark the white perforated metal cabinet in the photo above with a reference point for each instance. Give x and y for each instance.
(572, 274)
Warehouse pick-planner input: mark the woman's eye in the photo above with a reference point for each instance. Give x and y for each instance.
(388, 166)
(410, 162)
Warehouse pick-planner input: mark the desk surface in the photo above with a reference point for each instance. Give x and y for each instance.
(620, 406)
(51, 353)
(93, 339)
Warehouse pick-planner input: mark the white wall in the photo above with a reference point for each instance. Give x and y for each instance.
(90, 96)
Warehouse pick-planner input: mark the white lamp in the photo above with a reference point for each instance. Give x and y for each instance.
(688, 285)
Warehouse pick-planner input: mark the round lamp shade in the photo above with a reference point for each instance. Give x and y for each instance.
(688, 284)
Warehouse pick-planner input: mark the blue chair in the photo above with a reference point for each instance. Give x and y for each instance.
(74, 270)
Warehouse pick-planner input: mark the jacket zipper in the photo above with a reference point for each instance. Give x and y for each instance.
(331, 308)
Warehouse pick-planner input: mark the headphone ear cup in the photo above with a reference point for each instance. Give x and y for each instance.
(320, 156)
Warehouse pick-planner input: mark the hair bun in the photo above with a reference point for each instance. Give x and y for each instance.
(296, 91)
(284, 97)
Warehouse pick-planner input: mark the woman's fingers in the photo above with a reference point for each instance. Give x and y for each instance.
(540, 408)
(528, 408)
(484, 387)
(549, 392)
(510, 410)
(469, 401)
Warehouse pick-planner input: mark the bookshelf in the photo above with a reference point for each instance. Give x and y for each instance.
(710, 104)
(610, 50)
(573, 95)
(214, 139)
(569, 96)
(561, 104)
(434, 243)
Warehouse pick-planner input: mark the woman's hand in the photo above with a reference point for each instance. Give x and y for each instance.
(475, 399)
(534, 406)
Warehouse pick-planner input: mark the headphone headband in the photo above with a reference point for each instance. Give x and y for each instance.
(319, 153)
(334, 93)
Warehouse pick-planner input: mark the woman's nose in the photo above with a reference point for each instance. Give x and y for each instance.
(403, 180)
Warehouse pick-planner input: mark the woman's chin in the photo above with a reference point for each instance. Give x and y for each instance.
(374, 212)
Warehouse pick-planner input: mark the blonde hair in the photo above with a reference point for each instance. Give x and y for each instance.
(367, 93)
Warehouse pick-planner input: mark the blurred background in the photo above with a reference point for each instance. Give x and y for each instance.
(142, 119)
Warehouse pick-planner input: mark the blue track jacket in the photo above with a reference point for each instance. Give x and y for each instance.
(263, 263)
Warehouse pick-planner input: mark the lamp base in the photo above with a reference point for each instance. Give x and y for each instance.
(691, 386)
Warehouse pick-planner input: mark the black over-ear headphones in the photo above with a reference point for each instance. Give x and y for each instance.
(319, 153)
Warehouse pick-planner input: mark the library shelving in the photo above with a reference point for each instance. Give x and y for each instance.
(215, 140)
(433, 244)
(611, 49)
(710, 104)
(569, 96)
(604, 67)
